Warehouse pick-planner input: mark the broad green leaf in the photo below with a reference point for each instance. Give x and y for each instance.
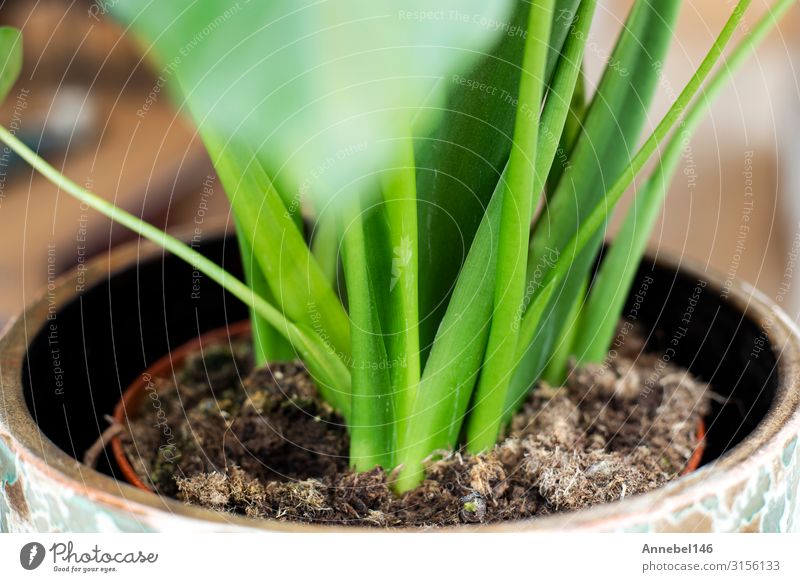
(10, 59)
(315, 87)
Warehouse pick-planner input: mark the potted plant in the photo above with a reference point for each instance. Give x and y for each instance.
(467, 222)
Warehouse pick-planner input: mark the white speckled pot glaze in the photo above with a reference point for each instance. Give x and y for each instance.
(752, 487)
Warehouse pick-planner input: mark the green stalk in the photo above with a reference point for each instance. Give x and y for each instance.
(402, 313)
(555, 372)
(372, 421)
(572, 129)
(332, 377)
(449, 375)
(298, 284)
(268, 343)
(597, 217)
(484, 421)
(325, 246)
(610, 130)
(610, 289)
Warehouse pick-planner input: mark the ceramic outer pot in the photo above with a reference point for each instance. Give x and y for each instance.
(66, 360)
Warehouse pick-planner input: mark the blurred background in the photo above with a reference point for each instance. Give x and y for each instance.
(92, 107)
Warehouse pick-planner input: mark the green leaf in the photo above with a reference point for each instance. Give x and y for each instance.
(613, 282)
(462, 337)
(483, 425)
(380, 264)
(572, 129)
(596, 218)
(460, 162)
(330, 374)
(449, 374)
(11, 58)
(612, 125)
(269, 345)
(315, 86)
(372, 427)
(297, 282)
(611, 130)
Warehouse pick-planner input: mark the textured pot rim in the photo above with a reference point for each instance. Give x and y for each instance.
(780, 424)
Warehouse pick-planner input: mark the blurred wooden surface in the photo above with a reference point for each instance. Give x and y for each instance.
(149, 162)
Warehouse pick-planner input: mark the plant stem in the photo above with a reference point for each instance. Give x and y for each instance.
(555, 372)
(449, 375)
(402, 313)
(333, 378)
(268, 343)
(484, 421)
(372, 426)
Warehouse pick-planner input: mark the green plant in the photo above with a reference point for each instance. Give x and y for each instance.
(452, 305)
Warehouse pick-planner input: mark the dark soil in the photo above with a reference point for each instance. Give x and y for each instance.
(266, 447)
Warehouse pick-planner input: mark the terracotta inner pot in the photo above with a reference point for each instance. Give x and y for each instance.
(133, 397)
